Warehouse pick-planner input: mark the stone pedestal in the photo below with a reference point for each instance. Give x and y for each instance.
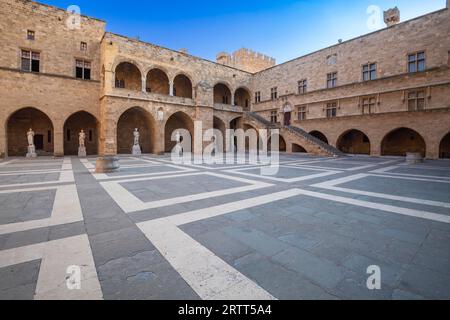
(136, 150)
(82, 152)
(413, 158)
(107, 164)
(31, 152)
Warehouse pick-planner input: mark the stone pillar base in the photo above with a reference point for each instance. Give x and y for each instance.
(82, 152)
(31, 152)
(413, 158)
(136, 150)
(107, 164)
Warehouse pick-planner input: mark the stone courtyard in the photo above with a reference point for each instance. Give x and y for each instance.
(158, 230)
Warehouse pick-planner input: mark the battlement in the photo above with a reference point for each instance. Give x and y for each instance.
(246, 59)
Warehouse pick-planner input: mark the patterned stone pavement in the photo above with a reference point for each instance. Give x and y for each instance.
(157, 230)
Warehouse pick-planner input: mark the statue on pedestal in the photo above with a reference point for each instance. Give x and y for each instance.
(82, 148)
(31, 147)
(178, 148)
(136, 150)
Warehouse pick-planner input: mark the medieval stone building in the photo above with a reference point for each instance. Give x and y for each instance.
(385, 93)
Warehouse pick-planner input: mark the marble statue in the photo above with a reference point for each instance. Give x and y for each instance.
(31, 147)
(82, 148)
(178, 148)
(136, 151)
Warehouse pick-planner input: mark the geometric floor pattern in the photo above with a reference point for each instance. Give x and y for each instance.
(156, 230)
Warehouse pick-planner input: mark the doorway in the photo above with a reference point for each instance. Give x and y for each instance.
(39, 141)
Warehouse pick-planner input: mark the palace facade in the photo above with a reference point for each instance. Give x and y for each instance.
(384, 93)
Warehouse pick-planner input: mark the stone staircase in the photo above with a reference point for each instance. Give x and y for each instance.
(294, 135)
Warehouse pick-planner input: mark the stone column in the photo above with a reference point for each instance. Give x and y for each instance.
(433, 146)
(171, 88)
(232, 99)
(3, 143)
(375, 147)
(58, 142)
(159, 138)
(144, 83)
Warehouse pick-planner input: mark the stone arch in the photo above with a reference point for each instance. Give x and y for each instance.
(157, 81)
(298, 149)
(178, 120)
(132, 118)
(76, 122)
(247, 127)
(401, 141)
(222, 93)
(128, 76)
(182, 86)
(242, 98)
(220, 125)
(282, 143)
(319, 135)
(444, 147)
(354, 142)
(17, 126)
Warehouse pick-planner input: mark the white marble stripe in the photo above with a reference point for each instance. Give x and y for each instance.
(208, 275)
(382, 207)
(56, 257)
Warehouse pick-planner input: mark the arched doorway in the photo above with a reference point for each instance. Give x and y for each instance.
(444, 148)
(220, 125)
(242, 98)
(182, 86)
(157, 82)
(74, 124)
(354, 142)
(128, 76)
(17, 127)
(222, 94)
(298, 149)
(401, 141)
(319, 135)
(178, 120)
(135, 118)
(282, 143)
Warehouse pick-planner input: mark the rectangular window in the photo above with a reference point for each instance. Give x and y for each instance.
(416, 62)
(368, 105)
(332, 80)
(302, 110)
(331, 110)
(257, 97)
(121, 84)
(302, 86)
(416, 100)
(30, 61)
(369, 71)
(274, 117)
(83, 46)
(83, 69)
(30, 35)
(274, 93)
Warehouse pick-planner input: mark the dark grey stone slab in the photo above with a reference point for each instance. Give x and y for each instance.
(18, 282)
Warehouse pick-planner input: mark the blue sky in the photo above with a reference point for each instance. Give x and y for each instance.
(283, 29)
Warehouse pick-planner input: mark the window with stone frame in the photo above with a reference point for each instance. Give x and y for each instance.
(30, 61)
(368, 105)
(369, 71)
(302, 113)
(416, 100)
(120, 83)
(331, 110)
(274, 117)
(416, 62)
(83, 46)
(83, 69)
(258, 97)
(31, 35)
(274, 93)
(332, 80)
(302, 86)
